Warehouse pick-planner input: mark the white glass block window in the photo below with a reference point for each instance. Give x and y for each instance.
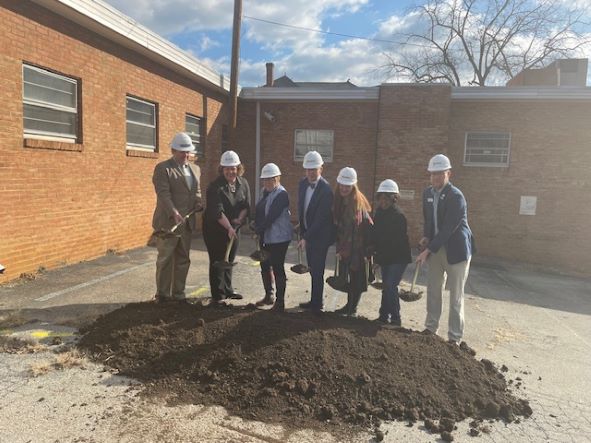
(50, 104)
(487, 149)
(141, 124)
(321, 140)
(193, 128)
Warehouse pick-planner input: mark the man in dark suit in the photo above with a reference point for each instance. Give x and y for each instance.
(178, 192)
(447, 246)
(316, 224)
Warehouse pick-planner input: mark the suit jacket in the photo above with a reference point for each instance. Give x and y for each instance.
(452, 222)
(319, 227)
(173, 193)
(220, 200)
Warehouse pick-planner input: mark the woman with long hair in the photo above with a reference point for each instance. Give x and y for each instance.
(353, 224)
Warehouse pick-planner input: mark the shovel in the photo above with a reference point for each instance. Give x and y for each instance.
(300, 268)
(338, 282)
(171, 231)
(259, 255)
(226, 264)
(412, 295)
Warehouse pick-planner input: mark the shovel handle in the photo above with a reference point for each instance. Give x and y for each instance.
(228, 248)
(185, 218)
(337, 265)
(414, 278)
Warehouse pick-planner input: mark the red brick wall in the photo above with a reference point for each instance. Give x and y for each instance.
(413, 126)
(550, 157)
(62, 206)
(354, 125)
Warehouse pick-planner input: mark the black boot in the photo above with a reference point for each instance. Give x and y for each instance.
(268, 285)
(345, 309)
(280, 284)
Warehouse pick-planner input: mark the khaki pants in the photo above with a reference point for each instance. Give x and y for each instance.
(456, 274)
(172, 265)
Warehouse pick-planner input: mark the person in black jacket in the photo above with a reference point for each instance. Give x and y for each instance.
(392, 249)
(227, 207)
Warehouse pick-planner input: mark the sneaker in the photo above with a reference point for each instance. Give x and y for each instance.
(235, 296)
(396, 322)
(307, 305)
(453, 342)
(427, 332)
(382, 319)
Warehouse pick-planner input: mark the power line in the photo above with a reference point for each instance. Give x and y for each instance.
(320, 31)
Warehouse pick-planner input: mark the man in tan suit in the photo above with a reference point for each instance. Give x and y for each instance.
(178, 192)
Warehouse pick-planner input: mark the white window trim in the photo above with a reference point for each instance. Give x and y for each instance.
(326, 160)
(45, 135)
(200, 120)
(139, 146)
(485, 164)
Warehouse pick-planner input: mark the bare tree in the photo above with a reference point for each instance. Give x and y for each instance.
(477, 41)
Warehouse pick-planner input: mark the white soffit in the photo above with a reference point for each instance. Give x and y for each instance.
(110, 23)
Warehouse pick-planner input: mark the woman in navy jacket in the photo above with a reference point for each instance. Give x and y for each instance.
(274, 229)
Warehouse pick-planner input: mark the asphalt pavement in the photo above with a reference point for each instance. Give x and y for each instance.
(533, 321)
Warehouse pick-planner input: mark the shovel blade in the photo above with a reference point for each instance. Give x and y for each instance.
(378, 285)
(259, 255)
(409, 296)
(300, 269)
(338, 283)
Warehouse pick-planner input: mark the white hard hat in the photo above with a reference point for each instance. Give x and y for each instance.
(182, 142)
(270, 170)
(389, 186)
(439, 163)
(312, 160)
(347, 176)
(229, 158)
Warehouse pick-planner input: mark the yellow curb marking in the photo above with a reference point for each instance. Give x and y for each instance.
(198, 291)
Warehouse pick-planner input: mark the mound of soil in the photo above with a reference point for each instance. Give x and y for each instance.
(298, 368)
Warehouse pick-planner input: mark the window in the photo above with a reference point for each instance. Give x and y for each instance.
(193, 128)
(321, 140)
(487, 149)
(50, 104)
(141, 124)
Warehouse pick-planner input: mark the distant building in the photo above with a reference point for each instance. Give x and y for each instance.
(520, 154)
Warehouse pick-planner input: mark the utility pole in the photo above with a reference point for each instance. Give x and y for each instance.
(234, 67)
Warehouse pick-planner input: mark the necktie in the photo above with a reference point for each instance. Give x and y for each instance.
(312, 185)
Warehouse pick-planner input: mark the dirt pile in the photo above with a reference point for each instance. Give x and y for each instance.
(299, 368)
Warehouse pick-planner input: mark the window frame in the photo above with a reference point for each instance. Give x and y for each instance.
(505, 164)
(200, 148)
(75, 111)
(326, 158)
(139, 146)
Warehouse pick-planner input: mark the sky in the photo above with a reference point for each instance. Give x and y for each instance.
(204, 29)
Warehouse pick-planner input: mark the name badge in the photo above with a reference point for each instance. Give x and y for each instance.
(430, 199)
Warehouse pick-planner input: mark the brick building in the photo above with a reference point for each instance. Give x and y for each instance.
(90, 102)
(520, 154)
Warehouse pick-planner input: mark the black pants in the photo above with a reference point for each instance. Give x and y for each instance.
(220, 279)
(276, 263)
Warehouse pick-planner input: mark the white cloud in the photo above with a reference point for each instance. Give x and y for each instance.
(169, 17)
(302, 55)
